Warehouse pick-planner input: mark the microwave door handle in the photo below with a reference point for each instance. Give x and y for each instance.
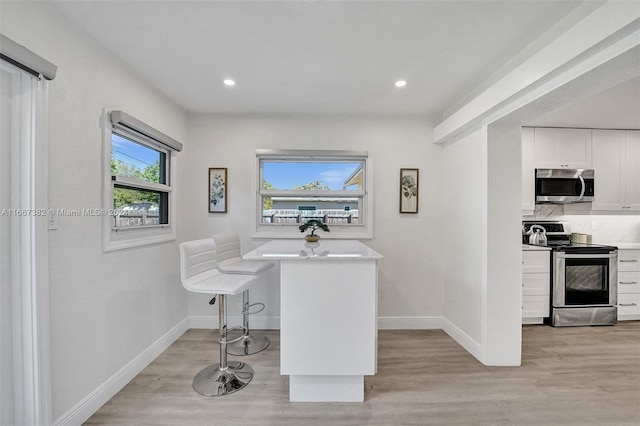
(584, 187)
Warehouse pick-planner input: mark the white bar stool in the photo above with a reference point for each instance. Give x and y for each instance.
(199, 274)
(230, 261)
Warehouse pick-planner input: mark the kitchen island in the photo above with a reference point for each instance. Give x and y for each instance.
(328, 318)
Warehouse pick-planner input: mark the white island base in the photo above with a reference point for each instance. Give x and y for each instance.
(326, 388)
(328, 319)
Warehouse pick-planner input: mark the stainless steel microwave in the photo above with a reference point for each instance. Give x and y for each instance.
(564, 186)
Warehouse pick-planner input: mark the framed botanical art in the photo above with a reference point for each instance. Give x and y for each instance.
(408, 190)
(218, 190)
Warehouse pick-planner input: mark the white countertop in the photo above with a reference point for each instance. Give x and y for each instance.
(628, 246)
(325, 249)
(621, 246)
(527, 247)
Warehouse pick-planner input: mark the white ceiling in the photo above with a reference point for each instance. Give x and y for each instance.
(316, 57)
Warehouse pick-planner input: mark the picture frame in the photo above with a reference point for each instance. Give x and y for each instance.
(409, 181)
(218, 182)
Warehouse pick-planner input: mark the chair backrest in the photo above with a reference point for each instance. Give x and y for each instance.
(197, 260)
(227, 246)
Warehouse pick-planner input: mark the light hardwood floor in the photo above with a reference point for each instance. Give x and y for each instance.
(569, 376)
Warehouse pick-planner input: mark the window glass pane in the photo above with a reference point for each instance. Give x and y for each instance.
(308, 175)
(331, 210)
(139, 207)
(134, 160)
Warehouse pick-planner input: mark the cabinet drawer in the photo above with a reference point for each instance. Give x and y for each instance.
(628, 282)
(536, 284)
(535, 306)
(535, 261)
(629, 304)
(628, 260)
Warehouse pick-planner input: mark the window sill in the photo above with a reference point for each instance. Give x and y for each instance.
(137, 238)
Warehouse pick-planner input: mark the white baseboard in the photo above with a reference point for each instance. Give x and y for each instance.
(255, 322)
(103, 393)
(535, 320)
(628, 317)
(273, 323)
(96, 399)
(409, 323)
(463, 339)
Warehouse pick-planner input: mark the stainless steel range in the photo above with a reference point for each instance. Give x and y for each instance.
(584, 278)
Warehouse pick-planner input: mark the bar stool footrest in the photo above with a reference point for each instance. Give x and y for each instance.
(229, 330)
(248, 310)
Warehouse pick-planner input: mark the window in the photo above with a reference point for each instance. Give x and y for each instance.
(140, 190)
(138, 201)
(294, 186)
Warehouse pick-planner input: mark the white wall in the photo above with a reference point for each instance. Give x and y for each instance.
(106, 308)
(409, 275)
(482, 260)
(503, 306)
(463, 217)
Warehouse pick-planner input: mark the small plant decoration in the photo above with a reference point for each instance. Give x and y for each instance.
(314, 224)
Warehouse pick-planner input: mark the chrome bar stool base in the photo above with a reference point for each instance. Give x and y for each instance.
(249, 345)
(211, 381)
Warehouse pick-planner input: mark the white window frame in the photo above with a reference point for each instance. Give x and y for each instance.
(117, 238)
(362, 230)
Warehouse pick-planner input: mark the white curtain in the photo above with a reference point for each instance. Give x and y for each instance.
(24, 347)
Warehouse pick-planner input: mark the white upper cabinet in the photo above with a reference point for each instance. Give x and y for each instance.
(528, 172)
(608, 163)
(559, 148)
(616, 161)
(632, 170)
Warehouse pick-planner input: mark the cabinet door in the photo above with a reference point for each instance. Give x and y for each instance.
(628, 282)
(632, 170)
(628, 260)
(629, 304)
(536, 284)
(562, 148)
(534, 261)
(528, 172)
(535, 306)
(608, 163)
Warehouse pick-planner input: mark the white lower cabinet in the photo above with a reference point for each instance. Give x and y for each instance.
(536, 286)
(628, 284)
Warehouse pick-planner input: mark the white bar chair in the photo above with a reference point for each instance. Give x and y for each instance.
(230, 261)
(199, 274)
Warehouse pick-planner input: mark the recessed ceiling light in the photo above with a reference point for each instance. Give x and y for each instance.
(229, 82)
(401, 83)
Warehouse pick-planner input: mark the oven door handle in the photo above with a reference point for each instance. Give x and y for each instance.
(584, 187)
(564, 255)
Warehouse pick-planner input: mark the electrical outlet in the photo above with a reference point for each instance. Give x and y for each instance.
(594, 224)
(52, 220)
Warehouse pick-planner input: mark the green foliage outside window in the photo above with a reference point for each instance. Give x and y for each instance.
(128, 196)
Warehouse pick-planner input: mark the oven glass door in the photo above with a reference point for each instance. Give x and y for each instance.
(581, 279)
(586, 281)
